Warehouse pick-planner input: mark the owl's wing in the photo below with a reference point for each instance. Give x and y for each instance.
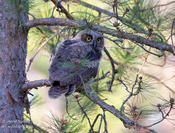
(71, 62)
(61, 51)
(62, 64)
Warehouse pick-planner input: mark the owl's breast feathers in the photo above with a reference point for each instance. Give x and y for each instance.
(93, 55)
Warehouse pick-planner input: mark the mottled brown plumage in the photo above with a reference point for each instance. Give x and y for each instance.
(75, 59)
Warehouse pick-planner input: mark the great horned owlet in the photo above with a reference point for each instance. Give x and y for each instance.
(75, 60)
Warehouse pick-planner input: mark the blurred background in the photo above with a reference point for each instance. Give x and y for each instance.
(157, 73)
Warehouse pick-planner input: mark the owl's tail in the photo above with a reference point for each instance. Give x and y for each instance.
(56, 91)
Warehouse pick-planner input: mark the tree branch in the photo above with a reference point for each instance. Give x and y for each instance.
(38, 50)
(126, 121)
(35, 84)
(72, 23)
(125, 21)
(92, 96)
(63, 10)
(95, 8)
(53, 21)
(34, 126)
(45, 82)
(113, 69)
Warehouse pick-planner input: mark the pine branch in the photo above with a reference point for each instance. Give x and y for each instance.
(94, 98)
(35, 84)
(45, 82)
(126, 121)
(34, 126)
(72, 23)
(123, 20)
(113, 69)
(63, 10)
(53, 21)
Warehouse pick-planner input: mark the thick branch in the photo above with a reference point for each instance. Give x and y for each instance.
(35, 84)
(53, 21)
(126, 121)
(92, 96)
(103, 29)
(45, 82)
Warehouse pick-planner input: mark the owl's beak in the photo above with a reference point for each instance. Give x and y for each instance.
(94, 44)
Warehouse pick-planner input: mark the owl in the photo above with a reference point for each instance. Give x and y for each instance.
(76, 61)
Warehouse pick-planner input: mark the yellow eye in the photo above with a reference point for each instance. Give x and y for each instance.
(88, 38)
(99, 40)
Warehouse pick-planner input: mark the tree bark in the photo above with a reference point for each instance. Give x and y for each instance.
(13, 42)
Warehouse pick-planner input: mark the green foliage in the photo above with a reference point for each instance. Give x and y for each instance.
(65, 126)
(35, 101)
(140, 16)
(87, 15)
(29, 129)
(20, 5)
(40, 9)
(140, 19)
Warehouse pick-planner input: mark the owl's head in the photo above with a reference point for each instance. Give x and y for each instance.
(92, 38)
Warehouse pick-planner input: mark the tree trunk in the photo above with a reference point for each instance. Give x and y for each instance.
(13, 42)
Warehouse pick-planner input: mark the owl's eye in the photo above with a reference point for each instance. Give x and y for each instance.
(88, 38)
(99, 40)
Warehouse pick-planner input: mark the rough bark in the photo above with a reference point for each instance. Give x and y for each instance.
(13, 42)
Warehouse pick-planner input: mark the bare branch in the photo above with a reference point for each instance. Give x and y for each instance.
(35, 84)
(34, 126)
(85, 114)
(72, 23)
(54, 21)
(113, 69)
(115, 7)
(105, 122)
(62, 9)
(131, 93)
(164, 115)
(95, 8)
(38, 50)
(102, 77)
